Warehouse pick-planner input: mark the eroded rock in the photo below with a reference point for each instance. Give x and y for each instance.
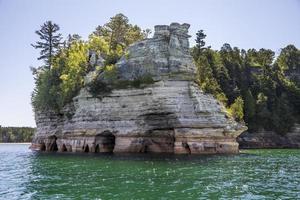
(270, 139)
(169, 115)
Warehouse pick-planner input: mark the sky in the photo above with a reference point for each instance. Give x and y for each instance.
(270, 24)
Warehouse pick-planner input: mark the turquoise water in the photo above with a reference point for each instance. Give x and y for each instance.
(254, 174)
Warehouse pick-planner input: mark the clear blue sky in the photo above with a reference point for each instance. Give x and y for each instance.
(246, 24)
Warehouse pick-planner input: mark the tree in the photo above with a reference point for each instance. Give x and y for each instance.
(205, 77)
(289, 63)
(16, 134)
(236, 109)
(47, 93)
(200, 43)
(73, 71)
(282, 115)
(71, 39)
(56, 86)
(249, 106)
(200, 36)
(119, 33)
(50, 42)
(263, 93)
(99, 45)
(265, 57)
(232, 61)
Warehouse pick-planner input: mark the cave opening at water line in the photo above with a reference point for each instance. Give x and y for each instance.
(86, 148)
(105, 142)
(110, 143)
(186, 147)
(97, 149)
(144, 149)
(63, 148)
(53, 144)
(43, 147)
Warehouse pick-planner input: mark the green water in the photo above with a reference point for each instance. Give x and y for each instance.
(254, 174)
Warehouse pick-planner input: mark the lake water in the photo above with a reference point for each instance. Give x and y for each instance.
(253, 174)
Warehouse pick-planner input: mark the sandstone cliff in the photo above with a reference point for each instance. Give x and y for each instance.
(168, 114)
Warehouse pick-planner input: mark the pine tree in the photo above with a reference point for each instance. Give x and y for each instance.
(200, 36)
(49, 42)
(200, 43)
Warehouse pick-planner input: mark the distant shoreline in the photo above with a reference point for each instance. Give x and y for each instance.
(15, 143)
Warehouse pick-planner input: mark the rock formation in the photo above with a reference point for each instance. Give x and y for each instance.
(269, 139)
(169, 114)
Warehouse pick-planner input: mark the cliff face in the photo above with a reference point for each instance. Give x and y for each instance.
(168, 115)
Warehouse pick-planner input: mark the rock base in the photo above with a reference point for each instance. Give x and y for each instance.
(178, 141)
(269, 139)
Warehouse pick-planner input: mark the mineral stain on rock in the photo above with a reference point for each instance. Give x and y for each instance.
(169, 114)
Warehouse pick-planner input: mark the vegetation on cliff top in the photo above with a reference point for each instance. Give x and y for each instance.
(254, 86)
(66, 62)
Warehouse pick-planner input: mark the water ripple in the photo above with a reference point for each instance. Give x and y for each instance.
(254, 174)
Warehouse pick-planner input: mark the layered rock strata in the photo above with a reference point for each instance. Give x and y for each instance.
(169, 115)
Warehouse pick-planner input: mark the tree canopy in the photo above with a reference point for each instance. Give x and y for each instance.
(119, 33)
(57, 85)
(16, 134)
(253, 85)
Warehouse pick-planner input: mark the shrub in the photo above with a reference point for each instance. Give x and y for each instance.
(236, 109)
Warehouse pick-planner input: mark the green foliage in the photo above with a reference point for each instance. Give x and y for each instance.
(71, 39)
(98, 44)
(232, 62)
(103, 80)
(206, 64)
(49, 42)
(142, 81)
(112, 39)
(115, 36)
(74, 69)
(60, 80)
(282, 115)
(119, 33)
(57, 86)
(289, 63)
(16, 134)
(249, 105)
(269, 88)
(236, 109)
(97, 87)
(253, 86)
(46, 94)
(200, 43)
